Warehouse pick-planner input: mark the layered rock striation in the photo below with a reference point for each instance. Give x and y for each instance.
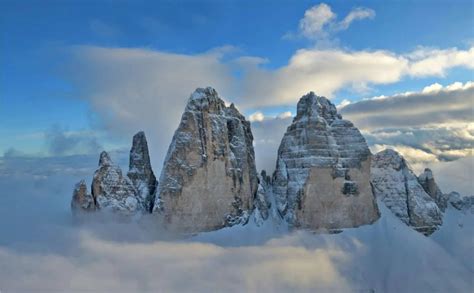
(398, 187)
(322, 174)
(209, 178)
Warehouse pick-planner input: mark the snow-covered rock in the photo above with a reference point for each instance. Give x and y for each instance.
(209, 177)
(140, 171)
(398, 187)
(462, 203)
(262, 201)
(82, 200)
(322, 174)
(426, 180)
(113, 191)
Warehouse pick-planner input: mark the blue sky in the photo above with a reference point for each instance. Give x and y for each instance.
(39, 89)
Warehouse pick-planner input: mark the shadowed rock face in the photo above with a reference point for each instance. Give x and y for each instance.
(82, 200)
(209, 177)
(140, 171)
(428, 183)
(262, 200)
(398, 187)
(322, 175)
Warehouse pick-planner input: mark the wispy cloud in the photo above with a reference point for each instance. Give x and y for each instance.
(320, 23)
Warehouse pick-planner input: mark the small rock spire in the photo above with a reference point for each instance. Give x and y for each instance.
(104, 159)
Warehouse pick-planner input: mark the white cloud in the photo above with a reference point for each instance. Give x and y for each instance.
(322, 71)
(314, 20)
(356, 14)
(320, 22)
(142, 89)
(434, 88)
(257, 116)
(343, 103)
(435, 62)
(284, 115)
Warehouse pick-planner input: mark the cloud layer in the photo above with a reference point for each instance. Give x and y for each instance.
(432, 125)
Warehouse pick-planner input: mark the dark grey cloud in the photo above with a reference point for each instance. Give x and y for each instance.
(429, 126)
(417, 109)
(446, 143)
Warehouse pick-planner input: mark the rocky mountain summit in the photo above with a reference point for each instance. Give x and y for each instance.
(322, 174)
(325, 177)
(112, 191)
(209, 178)
(398, 187)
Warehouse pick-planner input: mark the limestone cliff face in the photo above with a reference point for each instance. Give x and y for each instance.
(209, 177)
(398, 187)
(322, 175)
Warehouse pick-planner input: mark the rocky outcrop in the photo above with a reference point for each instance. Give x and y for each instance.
(462, 203)
(322, 175)
(82, 200)
(262, 201)
(398, 187)
(140, 171)
(428, 183)
(209, 177)
(113, 191)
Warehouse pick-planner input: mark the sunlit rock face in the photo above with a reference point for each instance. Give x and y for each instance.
(209, 178)
(398, 187)
(140, 171)
(322, 174)
(428, 183)
(112, 191)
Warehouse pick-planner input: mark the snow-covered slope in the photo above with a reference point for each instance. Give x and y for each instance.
(387, 256)
(456, 235)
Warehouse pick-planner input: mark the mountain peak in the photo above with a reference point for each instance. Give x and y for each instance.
(314, 106)
(104, 159)
(205, 99)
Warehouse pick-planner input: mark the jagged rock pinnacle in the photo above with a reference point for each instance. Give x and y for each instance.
(140, 171)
